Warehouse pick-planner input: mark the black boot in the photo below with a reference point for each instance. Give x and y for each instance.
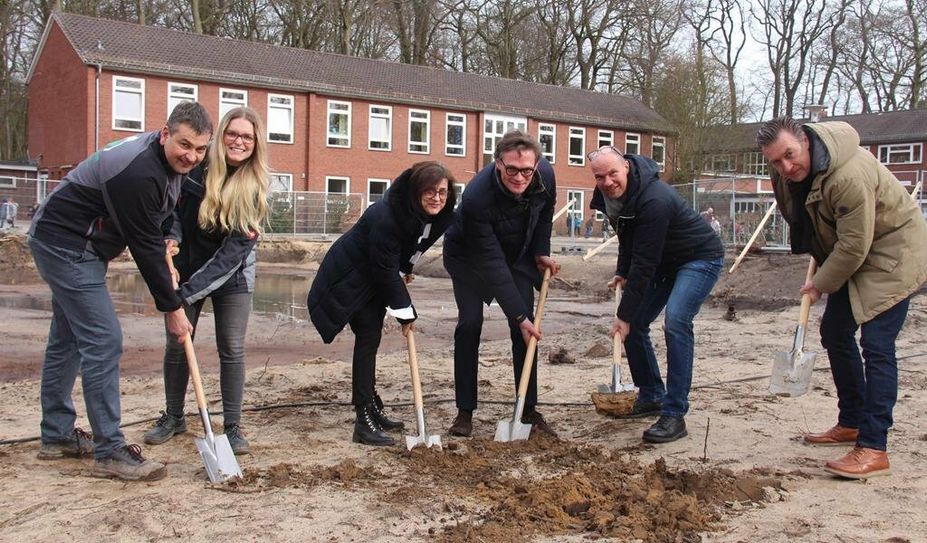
(366, 429)
(380, 416)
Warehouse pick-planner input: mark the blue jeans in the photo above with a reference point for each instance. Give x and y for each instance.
(866, 394)
(84, 337)
(682, 296)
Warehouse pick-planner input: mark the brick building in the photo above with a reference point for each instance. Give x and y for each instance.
(336, 124)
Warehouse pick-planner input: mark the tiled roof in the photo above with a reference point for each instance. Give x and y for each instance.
(156, 50)
(874, 128)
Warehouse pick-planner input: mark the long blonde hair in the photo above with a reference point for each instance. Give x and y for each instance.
(237, 202)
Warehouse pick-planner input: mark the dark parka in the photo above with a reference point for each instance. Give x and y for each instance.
(366, 261)
(496, 235)
(657, 233)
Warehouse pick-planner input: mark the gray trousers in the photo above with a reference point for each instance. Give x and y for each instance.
(231, 317)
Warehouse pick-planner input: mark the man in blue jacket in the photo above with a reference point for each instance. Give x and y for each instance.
(499, 242)
(669, 258)
(123, 195)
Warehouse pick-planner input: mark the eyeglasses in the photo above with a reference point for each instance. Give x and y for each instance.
(513, 171)
(431, 193)
(231, 135)
(592, 155)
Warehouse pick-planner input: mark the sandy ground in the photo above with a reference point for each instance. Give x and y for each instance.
(742, 475)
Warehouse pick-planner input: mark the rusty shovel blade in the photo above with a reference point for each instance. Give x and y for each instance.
(791, 373)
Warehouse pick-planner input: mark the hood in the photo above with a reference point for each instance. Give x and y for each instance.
(841, 140)
(400, 197)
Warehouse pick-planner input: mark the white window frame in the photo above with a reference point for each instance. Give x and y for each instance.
(498, 126)
(176, 97)
(388, 116)
(289, 107)
(722, 162)
(461, 121)
(140, 93)
(426, 144)
(578, 205)
(329, 135)
(546, 129)
(659, 141)
(632, 138)
(755, 163)
(281, 176)
(371, 181)
(913, 150)
(7, 182)
(609, 136)
(347, 188)
(580, 159)
(227, 103)
(459, 190)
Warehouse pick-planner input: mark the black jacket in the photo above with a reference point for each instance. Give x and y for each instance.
(210, 263)
(496, 235)
(122, 195)
(365, 263)
(657, 233)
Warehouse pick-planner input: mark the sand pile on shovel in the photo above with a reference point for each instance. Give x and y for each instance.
(613, 404)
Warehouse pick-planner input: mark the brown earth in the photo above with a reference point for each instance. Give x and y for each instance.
(741, 475)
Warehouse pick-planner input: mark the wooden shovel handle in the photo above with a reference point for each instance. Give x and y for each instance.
(806, 298)
(533, 342)
(616, 339)
(413, 369)
(194, 372)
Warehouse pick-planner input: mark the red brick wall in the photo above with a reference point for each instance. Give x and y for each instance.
(60, 106)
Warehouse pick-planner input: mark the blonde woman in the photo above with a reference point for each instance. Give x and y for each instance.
(216, 226)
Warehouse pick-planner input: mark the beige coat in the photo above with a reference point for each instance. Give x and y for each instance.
(865, 222)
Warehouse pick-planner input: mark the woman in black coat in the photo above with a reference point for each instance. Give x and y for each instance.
(364, 275)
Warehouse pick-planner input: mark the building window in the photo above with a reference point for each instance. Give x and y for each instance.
(456, 135)
(229, 99)
(380, 128)
(279, 118)
(281, 182)
(658, 152)
(755, 164)
(632, 144)
(721, 163)
(336, 194)
(7, 183)
(458, 193)
(337, 185)
(178, 93)
(376, 188)
(907, 153)
(419, 128)
(128, 103)
(494, 127)
(606, 137)
(577, 146)
(339, 124)
(547, 137)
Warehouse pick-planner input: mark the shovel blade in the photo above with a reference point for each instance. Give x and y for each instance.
(791, 374)
(512, 430)
(427, 441)
(221, 464)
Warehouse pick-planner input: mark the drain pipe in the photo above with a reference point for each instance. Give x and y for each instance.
(96, 120)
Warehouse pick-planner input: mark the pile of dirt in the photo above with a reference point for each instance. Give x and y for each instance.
(14, 253)
(614, 404)
(290, 251)
(286, 475)
(766, 282)
(546, 486)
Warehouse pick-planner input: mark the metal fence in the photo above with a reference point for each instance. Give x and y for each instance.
(314, 212)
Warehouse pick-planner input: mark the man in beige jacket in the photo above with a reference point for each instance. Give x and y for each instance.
(870, 242)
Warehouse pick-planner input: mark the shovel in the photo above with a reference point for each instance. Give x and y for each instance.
(422, 438)
(616, 387)
(216, 452)
(791, 373)
(515, 429)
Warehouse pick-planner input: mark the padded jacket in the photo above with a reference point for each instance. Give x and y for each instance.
(496, 235)
(367, 264)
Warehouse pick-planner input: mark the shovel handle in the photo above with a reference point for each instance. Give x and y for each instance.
(533, 342)
(197, 383)
(616, 339)
(806, 298)
(413, 369)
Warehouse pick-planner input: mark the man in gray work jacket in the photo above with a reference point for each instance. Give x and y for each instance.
(122, 195)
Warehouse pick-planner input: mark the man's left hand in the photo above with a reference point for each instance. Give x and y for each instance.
(407, 327)
(811, 290)
(620, 327)
(546, 262)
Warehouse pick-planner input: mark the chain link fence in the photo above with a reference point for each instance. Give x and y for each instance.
(313, 212)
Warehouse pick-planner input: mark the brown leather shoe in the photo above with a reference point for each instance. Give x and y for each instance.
(537, 420)
(838, 435)
(860, 463)
(463, 424)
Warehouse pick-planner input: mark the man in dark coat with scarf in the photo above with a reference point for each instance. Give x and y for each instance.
(496, 249)
(669, 258)
(364, 275)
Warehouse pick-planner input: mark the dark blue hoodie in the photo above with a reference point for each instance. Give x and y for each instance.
(657, 233)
